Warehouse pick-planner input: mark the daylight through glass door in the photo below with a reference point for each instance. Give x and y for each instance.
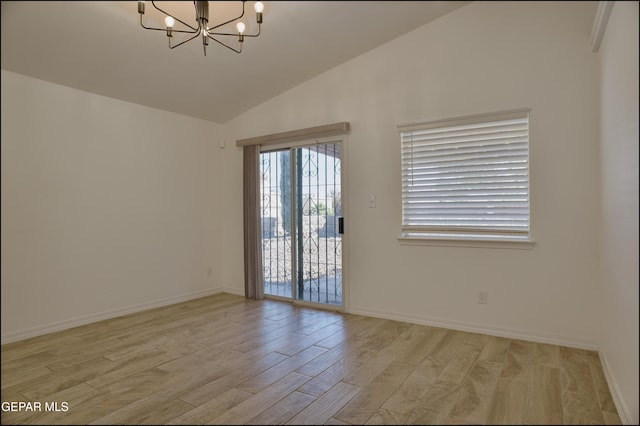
(301, 212)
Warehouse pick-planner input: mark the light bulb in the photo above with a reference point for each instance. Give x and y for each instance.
(240, 26)
(169, 21)
(259, 7)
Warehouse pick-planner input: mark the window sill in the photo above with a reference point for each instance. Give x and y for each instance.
(481, 241)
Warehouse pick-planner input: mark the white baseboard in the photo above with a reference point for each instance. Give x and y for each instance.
(231, 290)
(75, 322)
(479, 328)
(616, 395)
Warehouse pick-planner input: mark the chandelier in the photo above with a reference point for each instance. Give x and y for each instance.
(203, 29)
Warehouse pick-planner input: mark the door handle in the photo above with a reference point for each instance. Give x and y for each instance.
(341, 225)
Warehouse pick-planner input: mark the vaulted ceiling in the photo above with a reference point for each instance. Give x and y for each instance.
(99, 47)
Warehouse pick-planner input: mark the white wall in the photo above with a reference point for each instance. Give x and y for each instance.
(107, 206)
(618, 296)
(487, 56)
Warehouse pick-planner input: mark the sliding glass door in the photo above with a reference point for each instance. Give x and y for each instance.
(302, 223)
(275, 213)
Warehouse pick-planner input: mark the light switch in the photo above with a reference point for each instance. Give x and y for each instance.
(372, 201)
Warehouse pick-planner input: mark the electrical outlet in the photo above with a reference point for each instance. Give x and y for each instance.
(209, 271)
(483, 297)
(372, 201)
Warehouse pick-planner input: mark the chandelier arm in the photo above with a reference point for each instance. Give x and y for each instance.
(182, 22)
(150, 28)
(230, 20)
(181, 31)
(165, 30)
(235, 34)
(182, 42)
(227, 46)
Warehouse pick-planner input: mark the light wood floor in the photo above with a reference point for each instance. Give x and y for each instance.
(226, 360)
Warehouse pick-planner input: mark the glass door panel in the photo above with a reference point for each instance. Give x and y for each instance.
(275, 213)
(318, 212)
(301, 215)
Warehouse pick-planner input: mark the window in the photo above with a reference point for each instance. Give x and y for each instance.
(467, 178)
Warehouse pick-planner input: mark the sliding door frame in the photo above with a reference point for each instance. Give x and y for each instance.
(291, 146)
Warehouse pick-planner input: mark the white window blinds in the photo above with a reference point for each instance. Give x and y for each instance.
(467, 176)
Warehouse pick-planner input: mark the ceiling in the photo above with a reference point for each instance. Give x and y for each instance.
(99, 47)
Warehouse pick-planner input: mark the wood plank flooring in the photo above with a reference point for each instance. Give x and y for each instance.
(223, 359)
